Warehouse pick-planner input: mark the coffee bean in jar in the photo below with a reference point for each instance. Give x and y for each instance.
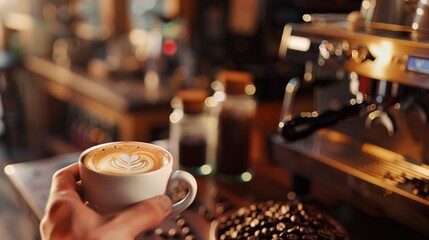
(189, 131)
(234, 126)
(277, 220)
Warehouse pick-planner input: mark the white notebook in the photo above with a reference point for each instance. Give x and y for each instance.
(32, 179)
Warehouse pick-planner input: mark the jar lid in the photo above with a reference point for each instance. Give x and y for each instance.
(235, 82)
(193, 100)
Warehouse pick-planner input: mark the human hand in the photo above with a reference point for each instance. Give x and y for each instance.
(68, 217)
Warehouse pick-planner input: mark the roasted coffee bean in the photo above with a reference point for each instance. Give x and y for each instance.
(294, 229)
(293, 237)
(257, 233)
(317, 224)
(268, 214)
(284, 209)
(273, 209)
(305, 223)
(425, 189)
(172, 233)
(307, 230)
(185, 230)
(309, 237)
(275, 236)
(242, 211)
(281, 226)
(325, 233)
(190, 237)
(271, 221)
(181, 222)
(253, 208)
(234, 234)
(290, 225)
(264, 231)
(295, 218)
(254, 223)
(161, 233)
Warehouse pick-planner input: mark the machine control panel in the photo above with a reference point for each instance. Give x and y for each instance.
(418, 64)
(397, 60)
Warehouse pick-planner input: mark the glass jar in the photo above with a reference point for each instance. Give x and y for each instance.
(234, 127)
(189, 131)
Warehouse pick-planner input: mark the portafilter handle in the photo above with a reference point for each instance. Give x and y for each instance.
(307, 123)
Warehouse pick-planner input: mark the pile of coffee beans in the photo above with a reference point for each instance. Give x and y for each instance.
(278, 220)
(419, 187)
(180, 230)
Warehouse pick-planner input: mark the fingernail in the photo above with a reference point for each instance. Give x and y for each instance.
(165, 202)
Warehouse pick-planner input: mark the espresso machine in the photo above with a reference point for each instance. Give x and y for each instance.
(367, 134)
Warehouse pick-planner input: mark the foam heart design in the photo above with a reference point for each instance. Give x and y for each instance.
(129, 162)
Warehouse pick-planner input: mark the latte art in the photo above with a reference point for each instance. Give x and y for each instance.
(136, 163)
(118, 161)
(127, 162)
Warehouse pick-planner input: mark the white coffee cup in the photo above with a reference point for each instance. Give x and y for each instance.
(118, 174)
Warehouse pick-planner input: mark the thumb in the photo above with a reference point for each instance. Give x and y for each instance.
(142, 216)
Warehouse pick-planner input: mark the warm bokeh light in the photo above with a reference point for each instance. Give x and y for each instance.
(176, 116)
(246, 176)
(9, 170)
(219, 96)
(211, 102)
(299, 43)
(151, 79)
(206, 169)
(250, 89)
(138, 37)
(306, 18)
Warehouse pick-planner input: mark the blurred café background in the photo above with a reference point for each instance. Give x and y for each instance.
(76, 73)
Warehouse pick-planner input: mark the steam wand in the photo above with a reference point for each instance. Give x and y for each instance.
(307, 123)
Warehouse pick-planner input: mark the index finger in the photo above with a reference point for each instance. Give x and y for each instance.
(65, 179)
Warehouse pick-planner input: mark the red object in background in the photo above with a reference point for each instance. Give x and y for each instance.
(169, 47)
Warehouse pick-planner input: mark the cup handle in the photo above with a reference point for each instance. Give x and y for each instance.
(189, 198)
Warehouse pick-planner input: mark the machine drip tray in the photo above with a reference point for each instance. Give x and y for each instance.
(365, 175)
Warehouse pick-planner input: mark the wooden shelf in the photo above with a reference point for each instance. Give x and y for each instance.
(134, 111)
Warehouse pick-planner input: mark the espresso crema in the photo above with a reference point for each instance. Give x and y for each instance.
(126, 158)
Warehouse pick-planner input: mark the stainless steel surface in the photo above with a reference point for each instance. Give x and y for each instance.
(388, 11)
(289, 98)
(357, 171)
